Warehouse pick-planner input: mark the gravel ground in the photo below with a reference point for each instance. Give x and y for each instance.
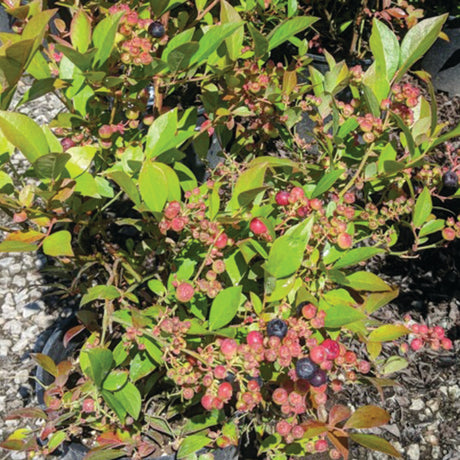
(425, 409)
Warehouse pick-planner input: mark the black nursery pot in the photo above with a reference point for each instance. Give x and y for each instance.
(54, 348)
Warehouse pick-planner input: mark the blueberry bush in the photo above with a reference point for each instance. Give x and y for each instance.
(230, 297)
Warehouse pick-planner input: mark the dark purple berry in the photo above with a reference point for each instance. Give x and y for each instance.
(450, 180)
(318, 378)
(277, 327)
(156, 29)
(305, 368)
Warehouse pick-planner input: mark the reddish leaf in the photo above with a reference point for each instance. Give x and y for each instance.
(71, 333)
(396, 12)
(313, 428)
(340, 443)
(27, 412)
(375, 443)
(338, 414)
(26, 237)
(12, 444)
(46, 362)
(368, 417)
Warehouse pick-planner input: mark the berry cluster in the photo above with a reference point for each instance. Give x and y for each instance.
(371, 126)
(422, 335)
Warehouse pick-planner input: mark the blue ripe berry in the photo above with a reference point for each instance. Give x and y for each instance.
(450, 180)
(305, 368)
(277, 327)
(318, 378)
(156, 29)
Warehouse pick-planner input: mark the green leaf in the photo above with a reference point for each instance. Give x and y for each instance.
(224, 307)
(394, 364)
(234, 43)
(14, 125)
(140, 366)
(51, 165)
(130, 399)
(115, 380)
(377, 300)
(166, 133)
(339, 316)
(251, 179)
(106, 454)
(192, 444)
(418, 41)
(58, 244)
(385, 48)
(157, 184)
(16, 246)
(104, 37)
(212, 39)
(260, 42)
(186, 177)
(80, 31)
(287, 253)
(201, 422)
(366, 281)
(46, 362)
(423, 208)
(56, 439)
(96, 363)
(80, 160)
(178, 40)
(289, 29)
(368, 417)
(100, 292)
(127, 185)
(179, 58)
(326, 182)
(388, 332)
(371, 441)
(432, 226)
(357, 255)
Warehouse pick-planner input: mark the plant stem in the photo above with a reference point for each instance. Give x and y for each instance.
(359, 170)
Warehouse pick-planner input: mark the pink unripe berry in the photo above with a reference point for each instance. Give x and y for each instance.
(172, 210)
(364, 366)
(446, 343)
(416, 344)
(282, 198)
(177, 224)
(255, 339)
(315, 204)
(188, 393)
(321, 445)
(438, 331)
(207, 401)
(309, 311)
(67, 143)
(296, 194)
(221, 241)
(423, 329)
(280, 396)
(448, 234)
(105, 132)
(344, 241)
(297, 432)
(253, 385)
(257, 226)
(228, 347)
(224, 392)
(88, 405)
(318, 354)
(283, 428)
(332, 348)
(350, 357)
(184, 292)
(220, 372)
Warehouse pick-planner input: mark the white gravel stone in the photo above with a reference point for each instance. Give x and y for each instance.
(413, 452)
(433, 405)
(417, 404)
(14, 327)
(5, 346)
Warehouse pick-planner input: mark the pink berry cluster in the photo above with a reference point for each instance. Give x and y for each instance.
(107, 132)
(372, 127)
(452, 229)
(136, 50)
(422, 335)
(295, 204)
